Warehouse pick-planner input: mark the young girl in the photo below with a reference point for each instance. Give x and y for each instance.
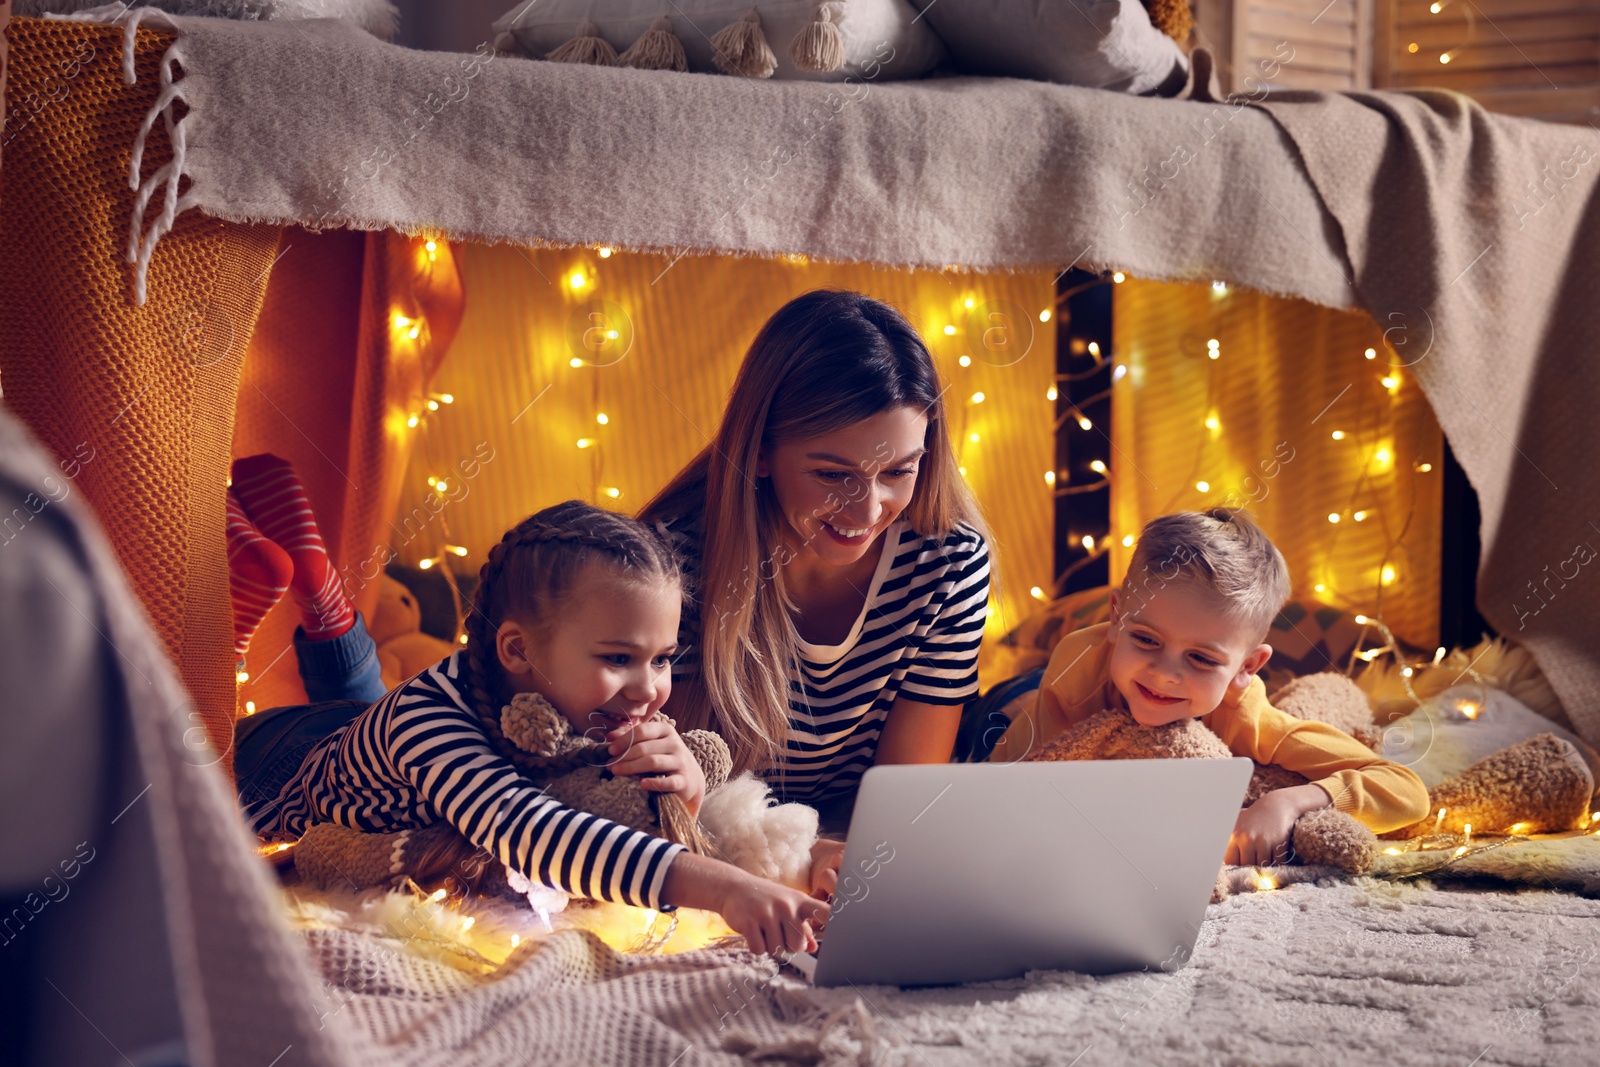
(840, 560)
(581, 606)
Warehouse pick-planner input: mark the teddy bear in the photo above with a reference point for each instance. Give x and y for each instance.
(396, 628)
(738, 821)
(1540, 785)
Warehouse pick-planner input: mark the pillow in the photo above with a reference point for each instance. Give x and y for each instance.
(377, 17)
(1455, 729)
(1104, 44)
(792, 39)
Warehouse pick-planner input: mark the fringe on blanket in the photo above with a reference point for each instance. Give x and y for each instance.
(142, 240)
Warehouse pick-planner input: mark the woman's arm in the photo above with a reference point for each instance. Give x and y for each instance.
(915, 732)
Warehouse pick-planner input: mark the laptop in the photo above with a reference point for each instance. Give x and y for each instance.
(971, 872)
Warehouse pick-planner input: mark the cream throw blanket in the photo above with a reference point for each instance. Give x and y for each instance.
(1467, 235)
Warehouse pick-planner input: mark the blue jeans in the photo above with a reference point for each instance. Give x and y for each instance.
(342, 679)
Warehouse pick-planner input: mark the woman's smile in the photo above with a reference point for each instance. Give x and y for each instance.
(847, 535)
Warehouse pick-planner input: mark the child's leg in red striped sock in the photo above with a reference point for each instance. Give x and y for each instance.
(258, 574)
(276, 501)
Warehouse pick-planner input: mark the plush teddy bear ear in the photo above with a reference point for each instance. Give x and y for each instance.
(534, 725)
(711, 752)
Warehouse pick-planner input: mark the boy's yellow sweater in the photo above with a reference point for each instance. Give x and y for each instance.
(1381, 794)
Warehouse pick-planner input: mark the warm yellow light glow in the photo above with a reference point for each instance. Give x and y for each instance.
(516, 939)
(1461, 851)
(466, 923)
(1037, 593)
(1412, 47)
(602, 418)
(462, 639)
(1424, 467)
(1407, 671)
(1362, 620)
(611, 335)
(1203, 486)
(412, 422)
(242, 676)
(432, 481)
(963, 471)
(969, 303)
(1097, 465)
(949, 331)
(1050, 393)
(585, 442)
(974, 438)
(1444, 57)
(1371, 353)
(1084, 423)
(1337, 435)
(1467, 830)
(1320, 588)
(249, 707)
(1213, 423)
(1088, 542)
(442, 485)
(1333, 516)
(1387, 575)
(1213, 343)
(1469, 709)
(447, 398)
(438, 895)
(433, 405)
(1438, 820)
(1127, 540)
(425, 565)
(1383, 458)
(1044, 316)
(1391, 383)
(1219, 287)
(605, 253)
(1049, 477)
(576, 279)
(456, 550)
(1094, 348)
(1360, 516)
(574, 362)
(400, 321)
(430, 246)
(965, 361)
(613, 492)
(414, 332)
(1521, 827)
(1214, 354)
(1119, 277)
(1265, 882)
(977, 398)
(1391, 851)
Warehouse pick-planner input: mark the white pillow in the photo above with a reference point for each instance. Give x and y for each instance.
(1104, 44)
(377, 17)
(883, 39)
(1450, 732)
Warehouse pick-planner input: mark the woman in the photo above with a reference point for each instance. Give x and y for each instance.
(840, 568)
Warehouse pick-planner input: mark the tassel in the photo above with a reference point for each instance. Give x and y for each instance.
(741, 48)
(587, 47)
(658, 49)
(678, 825)
(819, 47)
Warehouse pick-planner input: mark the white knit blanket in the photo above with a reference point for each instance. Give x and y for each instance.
(1366, 972)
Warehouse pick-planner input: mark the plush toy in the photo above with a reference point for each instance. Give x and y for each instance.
(738, 822)
(1539, 785)
(396, 628)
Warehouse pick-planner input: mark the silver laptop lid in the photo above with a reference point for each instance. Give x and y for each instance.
(970, 872)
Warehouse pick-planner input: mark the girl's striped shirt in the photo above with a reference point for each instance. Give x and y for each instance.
(419, 755)
(917, 637)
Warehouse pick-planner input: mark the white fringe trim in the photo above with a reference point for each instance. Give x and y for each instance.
(142, 245)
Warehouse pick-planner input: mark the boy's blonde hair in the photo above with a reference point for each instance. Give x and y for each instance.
(1224, 549)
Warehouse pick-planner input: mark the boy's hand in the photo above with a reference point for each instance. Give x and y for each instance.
(1261, 833)
(654, 749)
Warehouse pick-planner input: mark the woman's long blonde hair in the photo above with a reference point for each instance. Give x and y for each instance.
(825, 360)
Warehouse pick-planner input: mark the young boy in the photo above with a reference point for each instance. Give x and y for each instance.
(1185, 640)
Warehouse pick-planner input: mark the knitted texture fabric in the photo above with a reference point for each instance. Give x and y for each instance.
(136, 402)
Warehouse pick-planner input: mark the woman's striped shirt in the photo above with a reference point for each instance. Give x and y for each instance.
(917, 637)
(419, 755)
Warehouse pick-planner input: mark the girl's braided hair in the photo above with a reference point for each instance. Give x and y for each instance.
(529, 575)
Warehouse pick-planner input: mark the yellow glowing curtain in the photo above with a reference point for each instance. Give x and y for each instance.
(1306, 416)
(527, 428)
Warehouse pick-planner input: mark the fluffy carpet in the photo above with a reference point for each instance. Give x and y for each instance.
(1407, 973)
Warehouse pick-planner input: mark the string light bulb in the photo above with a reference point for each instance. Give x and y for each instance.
(585, 442)
(1049, 477)
(577, 279)
(949, 331)
(965, 361)
(1203, 486)
(602, 418)
(977, 398)
(973, 437)
(1037, 593)
(574, 362)
(1219, 287)
(1371, 353)
(1127, 540)
(1098, 466)
(1044, 316)
(412, 422)
(1333, 516)
(1094, 348)
(425, 565)
(1088, 542)
(1119, 277)
(1337, 435)
(1084, 423)
(605, 253)
(1051, 393)
(613, 492)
